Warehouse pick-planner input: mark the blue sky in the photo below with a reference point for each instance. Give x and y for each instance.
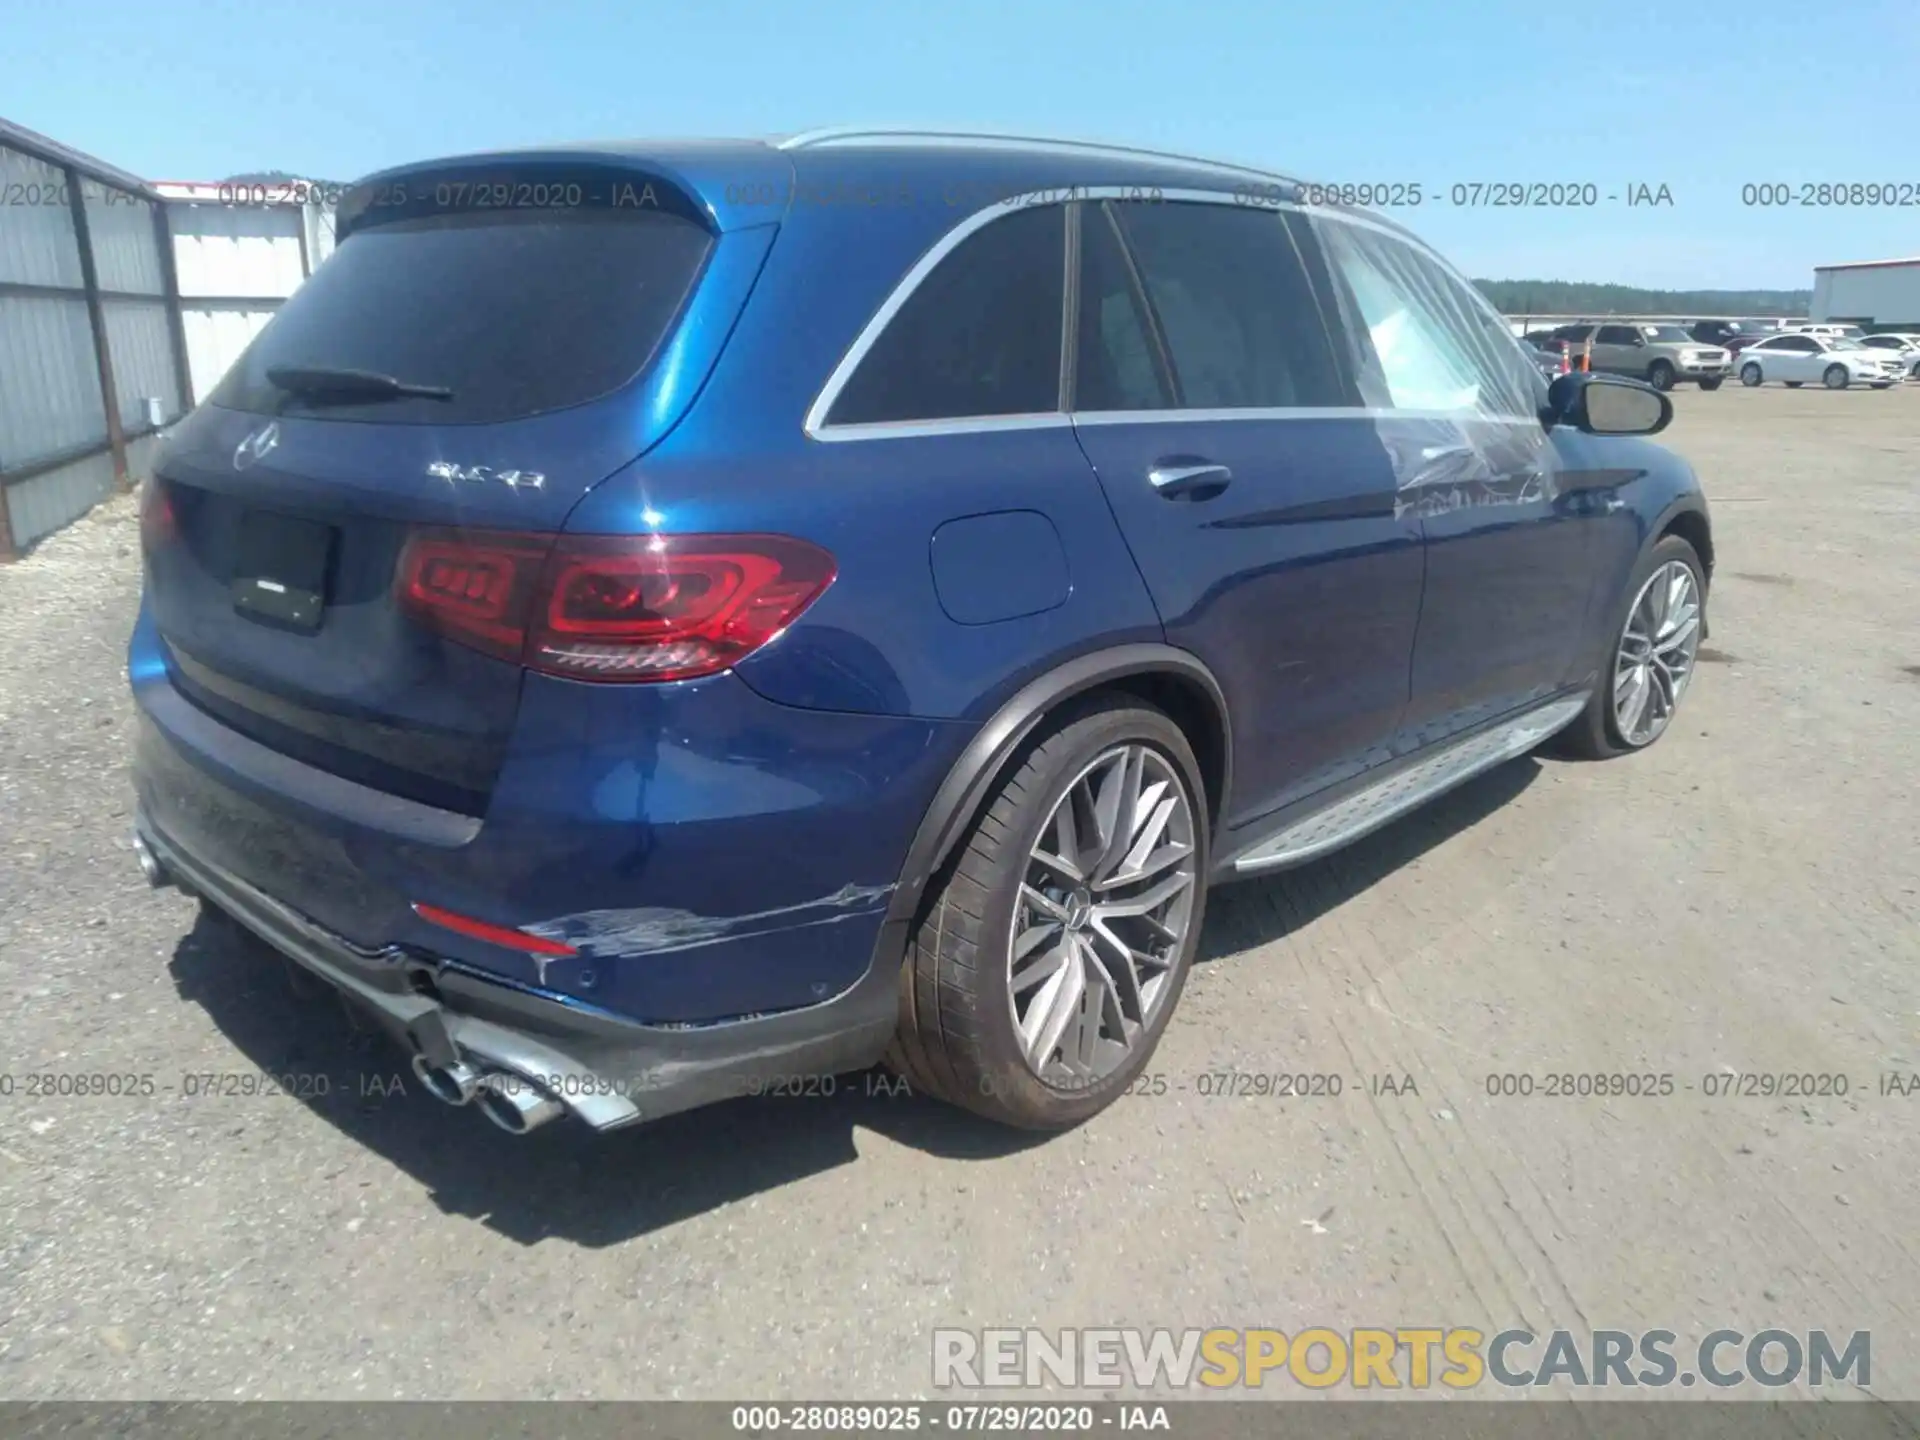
(1701, 98)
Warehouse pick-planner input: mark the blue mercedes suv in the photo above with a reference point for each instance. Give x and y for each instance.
(650, 622)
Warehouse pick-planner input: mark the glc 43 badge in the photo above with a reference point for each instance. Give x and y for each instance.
(481, 474)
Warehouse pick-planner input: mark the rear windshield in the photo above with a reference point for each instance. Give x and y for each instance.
(517, 312)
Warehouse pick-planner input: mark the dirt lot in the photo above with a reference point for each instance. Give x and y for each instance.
(1744, 897)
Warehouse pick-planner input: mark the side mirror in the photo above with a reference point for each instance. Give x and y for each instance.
(1607, 405)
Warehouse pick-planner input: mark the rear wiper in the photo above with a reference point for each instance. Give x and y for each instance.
(317, 382)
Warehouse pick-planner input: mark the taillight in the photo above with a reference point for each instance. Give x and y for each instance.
(473, 587)
(602, 607)
(157, 523)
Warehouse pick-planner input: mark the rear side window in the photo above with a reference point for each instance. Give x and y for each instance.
(1616, 335)
(517, 312)
(979, 336)
(1235, 306)
(1119, 364)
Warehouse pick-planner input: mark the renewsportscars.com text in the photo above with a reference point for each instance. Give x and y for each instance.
(1393, 1358)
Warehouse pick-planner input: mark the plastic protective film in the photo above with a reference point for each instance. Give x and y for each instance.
(1458, 403)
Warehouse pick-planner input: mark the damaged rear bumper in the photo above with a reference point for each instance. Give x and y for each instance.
(606, 1070)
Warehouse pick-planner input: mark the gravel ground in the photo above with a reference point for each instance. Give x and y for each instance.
(1741, 897)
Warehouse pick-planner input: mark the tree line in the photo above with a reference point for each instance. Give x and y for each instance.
(1577, 297)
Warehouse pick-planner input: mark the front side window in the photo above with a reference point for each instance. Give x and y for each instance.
(1238, 314)
(978, 337)
(1439, 346)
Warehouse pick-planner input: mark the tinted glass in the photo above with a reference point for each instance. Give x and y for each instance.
(1665, 334)
(978, 336)
(1117, 366)
(1616, 335)
(516, 311)
(1241, 324)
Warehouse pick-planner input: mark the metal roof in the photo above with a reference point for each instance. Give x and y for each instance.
(1870, 264)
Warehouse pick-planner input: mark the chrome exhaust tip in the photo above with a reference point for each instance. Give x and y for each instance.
(455, 1084)
(516, 1104)
(150, 865)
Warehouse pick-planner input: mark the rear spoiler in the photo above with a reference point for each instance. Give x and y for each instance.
(719, 187)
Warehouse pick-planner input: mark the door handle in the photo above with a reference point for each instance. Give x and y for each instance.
(1184, 479)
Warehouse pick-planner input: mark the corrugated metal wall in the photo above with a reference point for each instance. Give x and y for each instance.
(217, 331)
(36, 242)
(49, 381)
(237, 264)
(120, 299)
(232, 251)
(84, 274)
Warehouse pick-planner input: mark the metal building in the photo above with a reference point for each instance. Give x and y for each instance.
(1874, 294)
(92, 353)
(122, 303)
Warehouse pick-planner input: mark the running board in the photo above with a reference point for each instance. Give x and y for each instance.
(1394, 795)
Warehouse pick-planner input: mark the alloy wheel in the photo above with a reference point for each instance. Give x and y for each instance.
(1656, 655)
(1102, 916)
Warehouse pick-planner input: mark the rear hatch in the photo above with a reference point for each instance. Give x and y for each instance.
(485, 345)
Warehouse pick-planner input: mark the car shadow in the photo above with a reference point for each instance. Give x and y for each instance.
(1249, 913)
(566, 1182)
(563, 1181)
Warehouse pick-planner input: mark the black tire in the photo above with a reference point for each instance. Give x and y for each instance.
(1883, 384)
(956, 1038)
(1750, 375)
(1794, 384)
(1835, 377)
(1594, 735)
(1712, 382)
(1660, 375)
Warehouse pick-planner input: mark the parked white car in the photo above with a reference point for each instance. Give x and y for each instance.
(1902, 343)
(1848, 332)
(1835, 362)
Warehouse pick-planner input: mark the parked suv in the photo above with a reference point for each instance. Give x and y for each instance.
(656, 622)
(1726, 333)
(1662, 355)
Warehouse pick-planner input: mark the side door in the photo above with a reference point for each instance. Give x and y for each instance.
(1211, 393)
(1620, 349)
(1799, 359)
(1510, 551)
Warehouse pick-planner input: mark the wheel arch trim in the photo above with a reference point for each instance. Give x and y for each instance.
(1668, 522)
(960, 795)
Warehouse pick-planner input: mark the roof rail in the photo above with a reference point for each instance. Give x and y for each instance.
(934, 138)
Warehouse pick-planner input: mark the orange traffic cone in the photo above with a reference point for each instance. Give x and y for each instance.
(1566, 361)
